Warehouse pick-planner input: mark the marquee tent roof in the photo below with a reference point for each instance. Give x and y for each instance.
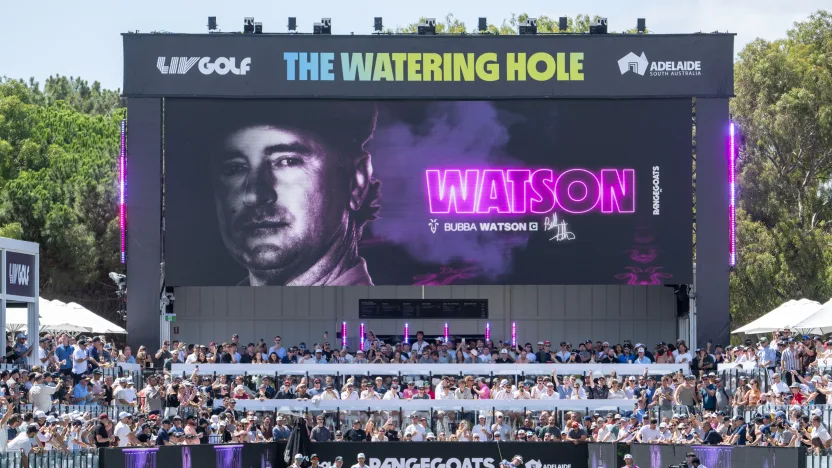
(782, 317)
(58, 316)
(819, 323)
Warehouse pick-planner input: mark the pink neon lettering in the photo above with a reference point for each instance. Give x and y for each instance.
(618, 195)
(520, 191)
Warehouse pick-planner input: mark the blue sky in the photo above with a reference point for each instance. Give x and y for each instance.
(43, 37)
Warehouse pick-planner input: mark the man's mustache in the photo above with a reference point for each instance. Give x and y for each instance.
(261, 215)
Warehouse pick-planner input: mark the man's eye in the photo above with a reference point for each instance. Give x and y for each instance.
(288, 162)
(231, 169)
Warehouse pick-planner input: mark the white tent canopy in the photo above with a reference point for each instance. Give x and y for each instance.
(782, 317)
(56, 316)
(819, 323)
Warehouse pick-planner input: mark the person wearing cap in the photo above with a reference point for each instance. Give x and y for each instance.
(20, 352)
(298, 461)
(628, 461)
(361, 461)
(686, 394)
(481, 429)
(298, 222)
(789, 361)
(415, 428)
(641, 358)
(739, 431)
(355, 433)
(81, 394)
(125, 394)
(79, 360)
(123, 433)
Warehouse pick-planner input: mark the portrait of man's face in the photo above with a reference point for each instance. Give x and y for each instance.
(282, 197)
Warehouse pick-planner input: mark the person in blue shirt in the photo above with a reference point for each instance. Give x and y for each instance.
(708, 392)
(739, 436)
(81, 394)
(627, 357)
(641, 358)
(63, 352)
(94, 353)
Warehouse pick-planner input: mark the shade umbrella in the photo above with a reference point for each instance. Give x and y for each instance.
(781, 318)
(65, 328)
(819, 323)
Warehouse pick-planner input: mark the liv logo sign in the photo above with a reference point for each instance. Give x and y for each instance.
(21, 274)
(18, 274)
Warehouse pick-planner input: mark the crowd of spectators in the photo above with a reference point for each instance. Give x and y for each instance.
(54, 399)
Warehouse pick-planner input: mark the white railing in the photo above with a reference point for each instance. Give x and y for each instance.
(429, 369)
(427, 405)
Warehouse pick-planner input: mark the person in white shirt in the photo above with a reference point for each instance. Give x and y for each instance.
(40, 395)
(24, 442)
(416, 430)
(665, 435)
(539, 388)
(649, 434)
(481, 429)
(683, 355)
(123, 432)
(393, 393)
(419, 345)
(550, 393)
(79, 359)
(442, 392)
(349, 393)
(820, 435)
(8, 421)
(329, 393)
(778, 387)
(504, 393)
(369, 393)
(523, 392)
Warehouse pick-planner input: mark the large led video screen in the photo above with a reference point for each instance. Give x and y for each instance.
(355, 192)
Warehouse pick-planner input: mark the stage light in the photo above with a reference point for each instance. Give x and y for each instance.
(343, 334)
(487, 331)
(406, 333)
(563, 24)
(212, 23)
(528, 27)
(361, 337)
(293, 24)
(641, 25)
(324, 27)
(446, 332)
(378, 25)
(483, 24)
(122, 209)
(258, 28)
(513, 334)
(732, 221)
(599, 26)
(427, 27)
(248, 25)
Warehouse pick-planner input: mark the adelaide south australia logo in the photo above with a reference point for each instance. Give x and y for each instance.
(638, 64)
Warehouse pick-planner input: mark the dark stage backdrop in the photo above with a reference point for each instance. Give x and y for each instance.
(468, 192)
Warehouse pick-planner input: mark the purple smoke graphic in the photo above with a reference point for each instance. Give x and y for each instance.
(140, 458)
(455, 135)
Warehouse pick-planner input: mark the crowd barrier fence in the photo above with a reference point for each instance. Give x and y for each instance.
(457, 455)
(52, 459)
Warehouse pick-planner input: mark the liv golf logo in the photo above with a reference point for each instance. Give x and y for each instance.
(18, 274)
(638, 64)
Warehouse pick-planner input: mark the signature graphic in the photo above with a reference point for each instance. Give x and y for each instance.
(560, 231)
(446, 276)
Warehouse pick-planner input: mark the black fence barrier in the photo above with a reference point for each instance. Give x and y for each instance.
(662, 456)
(446, 455)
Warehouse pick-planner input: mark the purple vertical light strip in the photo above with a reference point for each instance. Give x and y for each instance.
(406, 333)
(122, 218)
(361, 336)
(446, 332)
(487, 331)
(343, 334)
(732, 248)
(513, 334)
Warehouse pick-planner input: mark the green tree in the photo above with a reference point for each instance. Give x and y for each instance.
(58, 151)
(783, 110)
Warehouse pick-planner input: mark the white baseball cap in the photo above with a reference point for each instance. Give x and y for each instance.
(361, 455)
(628, 457)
